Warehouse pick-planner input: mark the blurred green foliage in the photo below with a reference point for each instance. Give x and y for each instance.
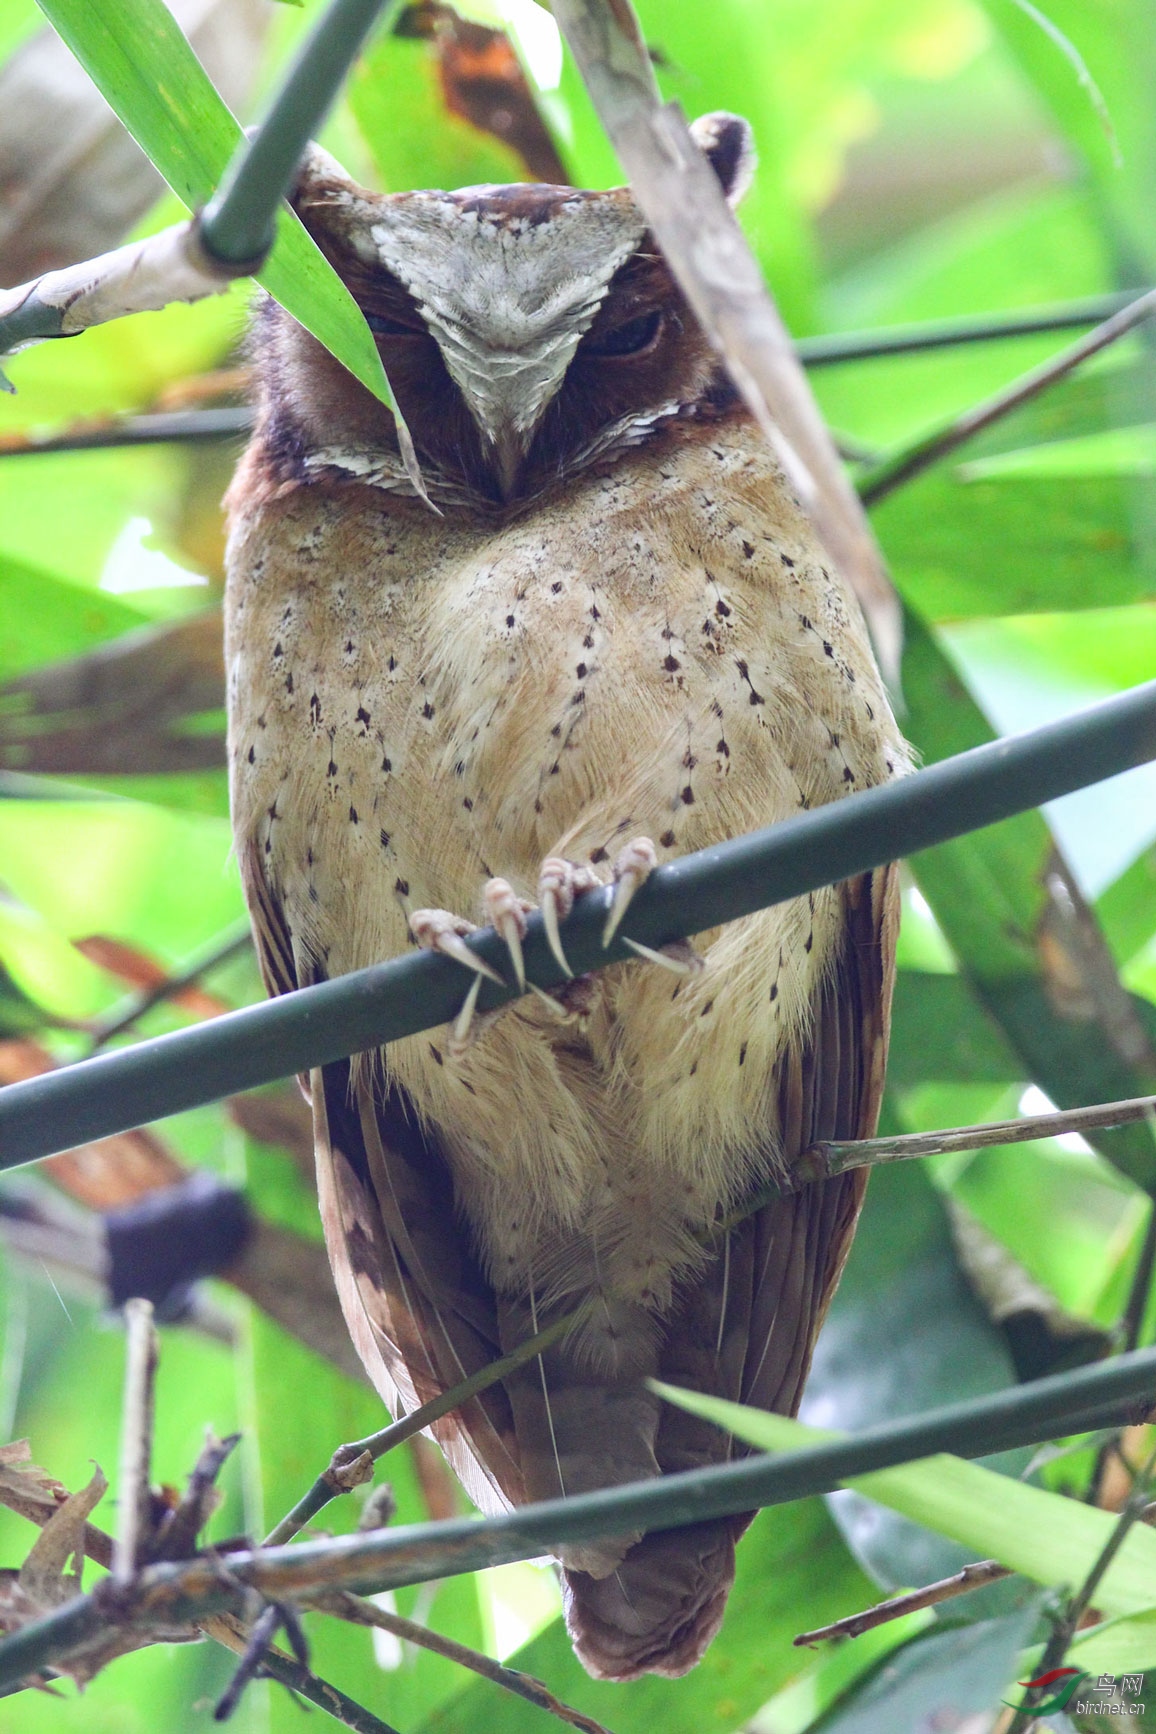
(919, 159)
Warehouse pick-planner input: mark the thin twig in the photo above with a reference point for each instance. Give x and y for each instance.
(842, 346)
(190, 425)
(1066, 1628)
(366, 1613)
(984, 1571)
(136, 1441)
(912, 460)
(823, 1161)
(349, 1466)
(231, 944)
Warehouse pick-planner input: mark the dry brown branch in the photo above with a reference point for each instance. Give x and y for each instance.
(971, 1577)
(136, 1442)
(366, 1613)
(683, 203)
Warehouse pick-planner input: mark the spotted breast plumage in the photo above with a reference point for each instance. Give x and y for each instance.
(609, 637)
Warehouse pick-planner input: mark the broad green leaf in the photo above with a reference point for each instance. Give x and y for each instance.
(122, 868)
(941, 1679)
(793, 1574)
(939, 1030)
(144, 66)
(1012, 543)
(19, 19)
(988, 893)
(396, 99)
(905, 1333)
(1049, 1539)
(1115, 41)
(1124, 451)
(1127, 909)
(1122, 1646)
(55, 618)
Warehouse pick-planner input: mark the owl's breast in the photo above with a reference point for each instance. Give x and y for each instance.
(419, 703)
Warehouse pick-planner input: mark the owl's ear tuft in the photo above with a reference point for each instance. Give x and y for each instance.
(727, 142)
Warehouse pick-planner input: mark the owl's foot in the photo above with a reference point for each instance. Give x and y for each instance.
(632, 869)
(438, 930)
(560, 883)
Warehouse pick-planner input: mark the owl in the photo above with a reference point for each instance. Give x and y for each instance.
(608, 636)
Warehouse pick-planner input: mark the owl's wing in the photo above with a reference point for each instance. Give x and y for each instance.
(416, 1302)
(745, 1326)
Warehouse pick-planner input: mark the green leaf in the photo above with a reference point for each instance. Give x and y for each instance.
(1127, 909)
(1122, 1646)
(988, 892)
(396, 98)
(938, 1030)
(1114, 39)
(1049, 1539)
(1012, 543)
(143, 65)
(940, 1679)
(904, 1334)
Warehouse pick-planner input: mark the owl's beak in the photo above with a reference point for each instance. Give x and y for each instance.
(509, 447)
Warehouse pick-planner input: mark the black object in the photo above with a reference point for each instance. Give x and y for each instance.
(159, 1246)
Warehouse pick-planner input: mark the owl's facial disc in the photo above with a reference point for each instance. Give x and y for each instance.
(507, 282)
(527, 331)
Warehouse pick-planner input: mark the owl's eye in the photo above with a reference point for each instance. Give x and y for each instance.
(633, 337)
(382, 326)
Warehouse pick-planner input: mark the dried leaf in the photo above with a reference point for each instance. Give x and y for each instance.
(43, 1578)
(137, 969)
(108, 1174)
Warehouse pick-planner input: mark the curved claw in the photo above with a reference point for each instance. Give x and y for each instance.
(460, 1034)
(434, 931)
(550, 923)
(633, 868)
(507, 913)
(684, 962)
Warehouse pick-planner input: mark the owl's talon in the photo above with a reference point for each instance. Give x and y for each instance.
(461, 1035)
(507, 915)
(559, 883)
(680, 957)
(633, 868)
(436, 930)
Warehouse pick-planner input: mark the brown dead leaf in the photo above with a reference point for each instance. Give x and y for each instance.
(108, 1174)
(137, 969)
(43, 1576)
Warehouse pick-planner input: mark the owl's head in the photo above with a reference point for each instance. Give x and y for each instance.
(527, 331)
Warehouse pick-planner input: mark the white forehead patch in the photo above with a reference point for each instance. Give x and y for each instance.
(507, 296)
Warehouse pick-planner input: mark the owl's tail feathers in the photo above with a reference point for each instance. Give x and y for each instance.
(657, 1612)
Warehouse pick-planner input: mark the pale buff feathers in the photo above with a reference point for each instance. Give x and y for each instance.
(485, 695)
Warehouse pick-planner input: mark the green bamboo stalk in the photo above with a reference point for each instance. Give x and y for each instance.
(389, 1558)
(237, 224)
(835, 348)
(421, 990)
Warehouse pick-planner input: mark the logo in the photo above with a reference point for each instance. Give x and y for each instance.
(1066, 1682)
